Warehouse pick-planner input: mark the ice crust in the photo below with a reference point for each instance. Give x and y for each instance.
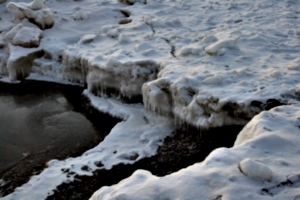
(255, 168)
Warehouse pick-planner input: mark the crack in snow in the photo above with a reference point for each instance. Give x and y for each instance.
(173, 48)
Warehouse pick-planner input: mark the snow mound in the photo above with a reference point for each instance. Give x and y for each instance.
(256, 170)
(219, 176)
(34, 12)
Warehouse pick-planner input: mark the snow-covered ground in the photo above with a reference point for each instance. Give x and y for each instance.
(205, 63)
(263, 164)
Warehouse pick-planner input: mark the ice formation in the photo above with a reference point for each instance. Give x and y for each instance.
(113, 60)
(268, 159)
(20, 61)
(34, 12)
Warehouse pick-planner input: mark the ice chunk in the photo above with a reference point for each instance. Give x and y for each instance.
(28, 37)
(216, 48)
(256, 170)
(131, 75)
(43, 17)
(37, 4)
(20, 61)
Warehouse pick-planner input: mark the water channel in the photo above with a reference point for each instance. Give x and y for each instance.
(40, 121)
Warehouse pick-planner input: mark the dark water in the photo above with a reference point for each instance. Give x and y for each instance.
(36, 125)
(40, 121)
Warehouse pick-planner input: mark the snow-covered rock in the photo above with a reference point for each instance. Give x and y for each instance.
(34, 12)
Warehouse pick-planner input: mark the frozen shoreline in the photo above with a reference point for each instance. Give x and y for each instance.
(207, 64)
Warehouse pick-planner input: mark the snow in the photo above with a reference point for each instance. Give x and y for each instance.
(202, 63)
(255, 168)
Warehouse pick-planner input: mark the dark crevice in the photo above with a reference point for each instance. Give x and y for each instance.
(173, 48)
(185, 147)
(292, 181)
(152, 28)
(269, 104)
(126, 13)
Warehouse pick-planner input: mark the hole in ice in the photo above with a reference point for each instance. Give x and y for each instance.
(40, 121)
